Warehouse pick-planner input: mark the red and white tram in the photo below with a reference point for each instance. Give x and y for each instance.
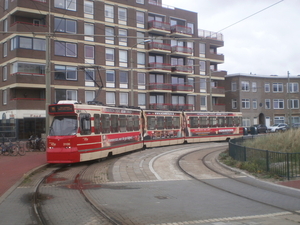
(81, 132)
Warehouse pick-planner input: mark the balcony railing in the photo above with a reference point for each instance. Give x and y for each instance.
(162, 66)
(34, 103)
(159, 86)
(159, 25)
(159, 46)
(159, 106)
(182, 87)
(182, 107)
(210, 34)
(30, 24)
(182, 68)
(181, 30)
(181, 49)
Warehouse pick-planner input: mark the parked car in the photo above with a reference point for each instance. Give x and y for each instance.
(278, 127)
(261, 128)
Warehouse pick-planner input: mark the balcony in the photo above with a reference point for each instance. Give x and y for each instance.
(160, 87)
(183, 51)
(181, 69)
(181, 31)
(156, 47)
(29, 103)
(159, 106)
(218, 108)
(158, 27)
(218, 91)
(182, 107)
(210, 35)
(29, 78)
(182, 88)
(159, 67)
(215, 57)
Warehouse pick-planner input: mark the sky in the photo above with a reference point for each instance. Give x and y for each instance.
(264, 42)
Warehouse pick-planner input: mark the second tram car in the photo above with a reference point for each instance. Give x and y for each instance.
(81, 132)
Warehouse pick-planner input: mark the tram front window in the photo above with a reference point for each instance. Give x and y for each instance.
(63, 125)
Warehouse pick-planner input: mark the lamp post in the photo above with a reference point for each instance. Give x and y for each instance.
(131, 69)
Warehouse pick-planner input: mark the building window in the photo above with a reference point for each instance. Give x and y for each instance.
(5, 4)
(89, 52)
(110, 78)
(5, 27)
(122, 14)
(140, 19)
(110, 98)
(293, 87)
(89, 96)
(4, 73)
(109, 35)
(89, 31)
(109, 56)
(233, 86)
(202, 67)
(277, 87)
(267, 103)
(123, 79)
(28, 43)
(28, 68)
(4, 49)
(202, 85)
(123, 58)
(191, 26)
(89, 7)
(278, 103)
(254, 87)
(245, 103)
(191, 100)
(254, 103)
(123, 98)
(234, 103)
(267, 87)
(65, 4)
(65, 49)
(65, 72)
(141, 99)
(122, 37)
(90, 78)
(245, 86)
(141, 59)
(4, 97)
(141, 80)
(140, 1)
(65, 26)
(203, 102)
(294, 104)
(109, 13)
(62, 94)
(279, 119)
(246, 122)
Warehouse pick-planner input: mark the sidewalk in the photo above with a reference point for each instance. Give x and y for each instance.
(14, 168)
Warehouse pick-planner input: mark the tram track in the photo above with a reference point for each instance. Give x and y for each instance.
(237, 177)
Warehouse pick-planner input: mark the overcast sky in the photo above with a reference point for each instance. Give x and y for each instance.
(263, 44)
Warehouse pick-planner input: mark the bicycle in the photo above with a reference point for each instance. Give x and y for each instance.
(34, 142)
(21, 150)
(9, 149)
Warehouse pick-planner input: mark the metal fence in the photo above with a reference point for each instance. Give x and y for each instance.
(279, 163)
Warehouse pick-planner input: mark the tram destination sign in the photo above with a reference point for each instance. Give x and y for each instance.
(61, 108)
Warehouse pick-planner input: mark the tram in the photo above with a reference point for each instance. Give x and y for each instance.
(83, 132)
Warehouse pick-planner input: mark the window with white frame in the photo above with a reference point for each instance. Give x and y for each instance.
(267, 103)
(254, 87)
(233, 86)
(65, 4)
(89, 7)
(293, 87)
(109, 35)
(89, 77)
(122, 37)
(5, 26)
(5, 4)
(4, 97)
(141, 59)
(123, 79)
(294, 104)
(110, 98)
(65, 49)
(89, 31)
(140, 1)
(109, 56)
(191, 100)
(141, 80)
(110, 78)
(234, 103)
(246, 122)
(245, 103)
(28, 43)
(89, 52)
(109, 13)
(4, 49)
(203, 85)
(191, 64)
(277, 87)
(140, 19)
(65, 25)
(278, 103)
(191, 26)
(4, 73)
(123, 58)
(122, 14)
(202, 67)
(141, 99)
(191, 81)
(89, 96)
(201, 50)
(279, 119)
(123, 98)
(65, 72)
(245, 86)
(203, 102)
(63, 94)
(28, 68)
(267, 87)
(254, 103)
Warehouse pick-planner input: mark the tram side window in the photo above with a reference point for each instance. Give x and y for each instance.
(151, 123)
(97, 124)
(114, 123)
(129, 123)
(105, 121)
(237, 121)
(85, 123)
(203, 122)
(136, 123)
(194, 122)
(221, 121)
(229, 121)
(169, 124)
(123, 123)
(176, 122)
(160, 122)
(212, 121)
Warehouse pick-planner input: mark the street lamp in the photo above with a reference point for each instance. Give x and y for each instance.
(131, 68)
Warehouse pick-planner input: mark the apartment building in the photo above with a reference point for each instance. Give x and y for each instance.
(263, 99)
(137, 53)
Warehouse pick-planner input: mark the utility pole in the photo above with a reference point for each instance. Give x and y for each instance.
(48, 73)
(289, 100)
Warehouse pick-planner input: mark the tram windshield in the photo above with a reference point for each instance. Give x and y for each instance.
(63, 125)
